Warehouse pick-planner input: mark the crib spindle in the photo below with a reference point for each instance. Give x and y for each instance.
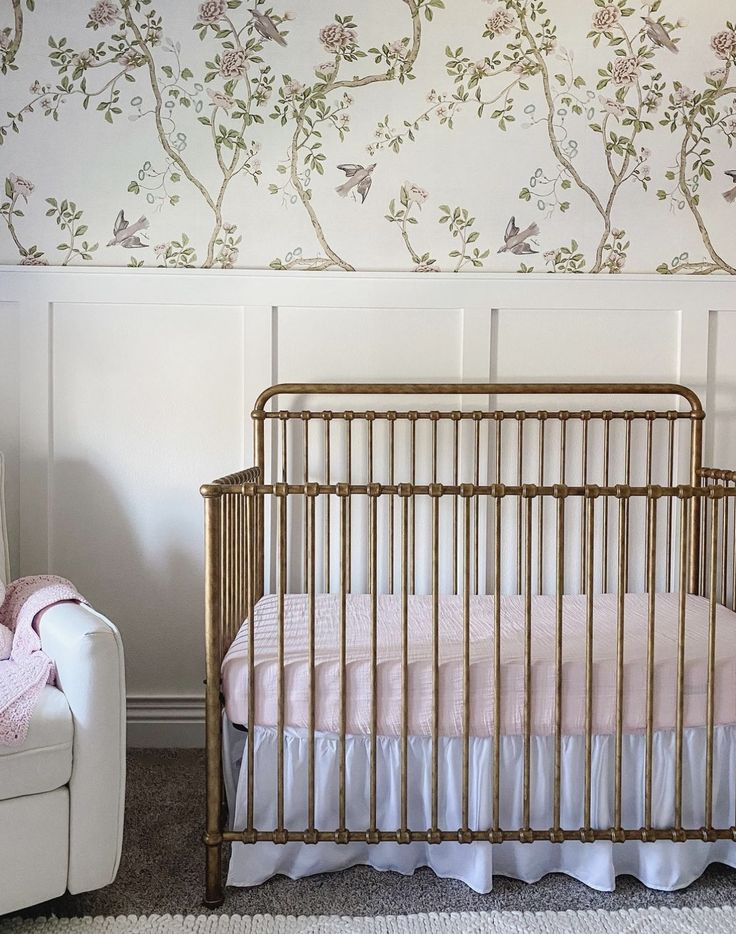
(477, 416)
(282, 496)
(653, 494)
(715, 494)
(373, 585)
(391, 416)
(436, 493)
(589, 543)
(497, 515)
(520, 416)
(405, 491)
(585, 416)
(467, 492)
(672, 417)
(250, 512)
(606, 501)
(529, 492)
(311, 491)
(327, 416)
(540, 506)
(560, 493)
(344, 495)
(684, 519)
(455, 481)
(622, 494)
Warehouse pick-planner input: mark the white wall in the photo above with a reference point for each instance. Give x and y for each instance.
(135, 387)
(9, 420)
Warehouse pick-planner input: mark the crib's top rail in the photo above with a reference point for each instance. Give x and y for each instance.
(480, 389)
(497, 415)
(479, 433)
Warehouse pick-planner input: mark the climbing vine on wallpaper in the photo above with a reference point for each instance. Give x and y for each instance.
(238, 139)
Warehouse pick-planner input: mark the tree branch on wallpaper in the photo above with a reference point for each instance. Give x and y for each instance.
(459, 223)
(68, 219)
(530, 42)
(131, 51)
(202, 120)
(309, 109)
(12, 36)
(695, 116)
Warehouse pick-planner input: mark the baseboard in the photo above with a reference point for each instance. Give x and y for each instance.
(165, 720)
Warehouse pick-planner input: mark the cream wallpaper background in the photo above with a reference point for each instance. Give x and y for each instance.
(519, 135)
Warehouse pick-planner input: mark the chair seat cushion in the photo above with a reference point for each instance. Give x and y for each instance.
(44, 761)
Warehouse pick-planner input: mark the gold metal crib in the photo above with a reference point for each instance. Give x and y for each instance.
(495, 489)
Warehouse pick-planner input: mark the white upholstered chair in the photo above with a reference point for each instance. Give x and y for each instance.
(62, 792)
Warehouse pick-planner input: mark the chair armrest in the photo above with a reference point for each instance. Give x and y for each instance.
(88, 654)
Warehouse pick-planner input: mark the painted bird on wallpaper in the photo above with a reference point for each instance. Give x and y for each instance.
(266, 27)
(124, 234)
(730, 195)
(515, 239)
(657, 32)
(359, 178)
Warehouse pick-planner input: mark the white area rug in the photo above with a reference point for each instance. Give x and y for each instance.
(635, 921)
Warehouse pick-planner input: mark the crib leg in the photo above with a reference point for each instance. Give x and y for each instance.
(214, 894)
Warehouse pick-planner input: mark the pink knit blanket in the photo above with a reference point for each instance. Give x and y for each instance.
(24, 668)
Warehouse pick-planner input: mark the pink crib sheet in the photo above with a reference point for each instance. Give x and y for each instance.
(296, 673)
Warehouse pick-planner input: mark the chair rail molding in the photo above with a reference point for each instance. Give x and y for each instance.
(136, 385)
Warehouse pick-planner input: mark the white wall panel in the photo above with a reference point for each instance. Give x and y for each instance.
(9, 421)
(381, 344)
(148, 404)
(133, 387)
(722, 390)
(596, 345)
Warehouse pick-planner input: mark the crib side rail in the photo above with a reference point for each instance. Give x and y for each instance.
(631, 512)
(231, 560)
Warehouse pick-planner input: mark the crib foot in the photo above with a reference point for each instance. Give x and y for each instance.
(214, 901)
(214, 893)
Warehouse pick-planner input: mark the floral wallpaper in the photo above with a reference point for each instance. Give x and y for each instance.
(425, 135)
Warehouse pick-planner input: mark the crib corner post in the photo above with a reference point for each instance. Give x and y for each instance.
(214, 895)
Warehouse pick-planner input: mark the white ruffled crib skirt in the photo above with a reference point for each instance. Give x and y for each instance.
(661, 865)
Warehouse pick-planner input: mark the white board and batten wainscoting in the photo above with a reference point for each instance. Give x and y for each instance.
(122, 390)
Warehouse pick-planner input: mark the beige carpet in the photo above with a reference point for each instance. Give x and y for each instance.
(634, 921)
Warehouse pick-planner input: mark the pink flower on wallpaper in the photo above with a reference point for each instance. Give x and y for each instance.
(33, 261)
(234, 63)
(612, 106)
(606, 18)
(220, 99)
(325, 70)
(103, 13)
(415, 193)
(500, 21)
(399, 48)
(625, 71)
(426, 267)
(20, 186)
(724, 43)
(337, 38)
(211, 11)
(293, 89)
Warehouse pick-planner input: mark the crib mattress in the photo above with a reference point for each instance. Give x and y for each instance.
(358, 669)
